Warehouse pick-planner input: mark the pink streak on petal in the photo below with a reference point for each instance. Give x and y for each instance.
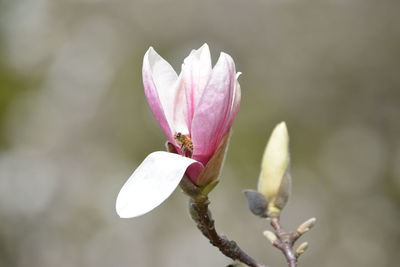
(197, 71)
(212, 113)
(227, 123)
(152, 96)
(234, 108)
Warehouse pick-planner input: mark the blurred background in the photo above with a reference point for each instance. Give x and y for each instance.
(74, 124)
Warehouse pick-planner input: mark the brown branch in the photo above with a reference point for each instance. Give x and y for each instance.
(202, 216)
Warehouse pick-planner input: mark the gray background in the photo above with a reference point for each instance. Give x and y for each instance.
(74, 124)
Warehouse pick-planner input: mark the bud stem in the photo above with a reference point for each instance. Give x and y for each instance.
(200, 213)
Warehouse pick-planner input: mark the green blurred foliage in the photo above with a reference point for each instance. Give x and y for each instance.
(11, 85)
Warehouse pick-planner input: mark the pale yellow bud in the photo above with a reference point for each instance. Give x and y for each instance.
(274, 181)
(306, 226)
(301, 249)
(270, 236)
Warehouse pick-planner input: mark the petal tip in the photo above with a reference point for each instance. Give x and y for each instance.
(282, 126)
(204, 47)
(149, 51)
(226, 59)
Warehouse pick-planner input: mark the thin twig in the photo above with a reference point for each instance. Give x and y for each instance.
(285, 241)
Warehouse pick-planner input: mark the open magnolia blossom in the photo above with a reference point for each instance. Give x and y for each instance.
(196, 110)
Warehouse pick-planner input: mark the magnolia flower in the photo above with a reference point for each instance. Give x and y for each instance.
(196, 110)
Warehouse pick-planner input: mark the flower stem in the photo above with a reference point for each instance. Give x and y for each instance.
(205, 223)
(200, 213)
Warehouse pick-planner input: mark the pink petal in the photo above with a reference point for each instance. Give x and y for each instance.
(197, 71)
(154, 65)
(151, 183)
(165, 94)
(212, 113)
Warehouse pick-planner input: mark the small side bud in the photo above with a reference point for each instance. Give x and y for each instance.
(257, 203)
(301, 249)
(270, 236)
(306, 226)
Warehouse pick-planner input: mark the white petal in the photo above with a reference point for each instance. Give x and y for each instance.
(151, 183)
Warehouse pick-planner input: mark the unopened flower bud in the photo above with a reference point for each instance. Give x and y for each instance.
(306, 226)
(270, 236)
(275, 181)
(301, 249)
